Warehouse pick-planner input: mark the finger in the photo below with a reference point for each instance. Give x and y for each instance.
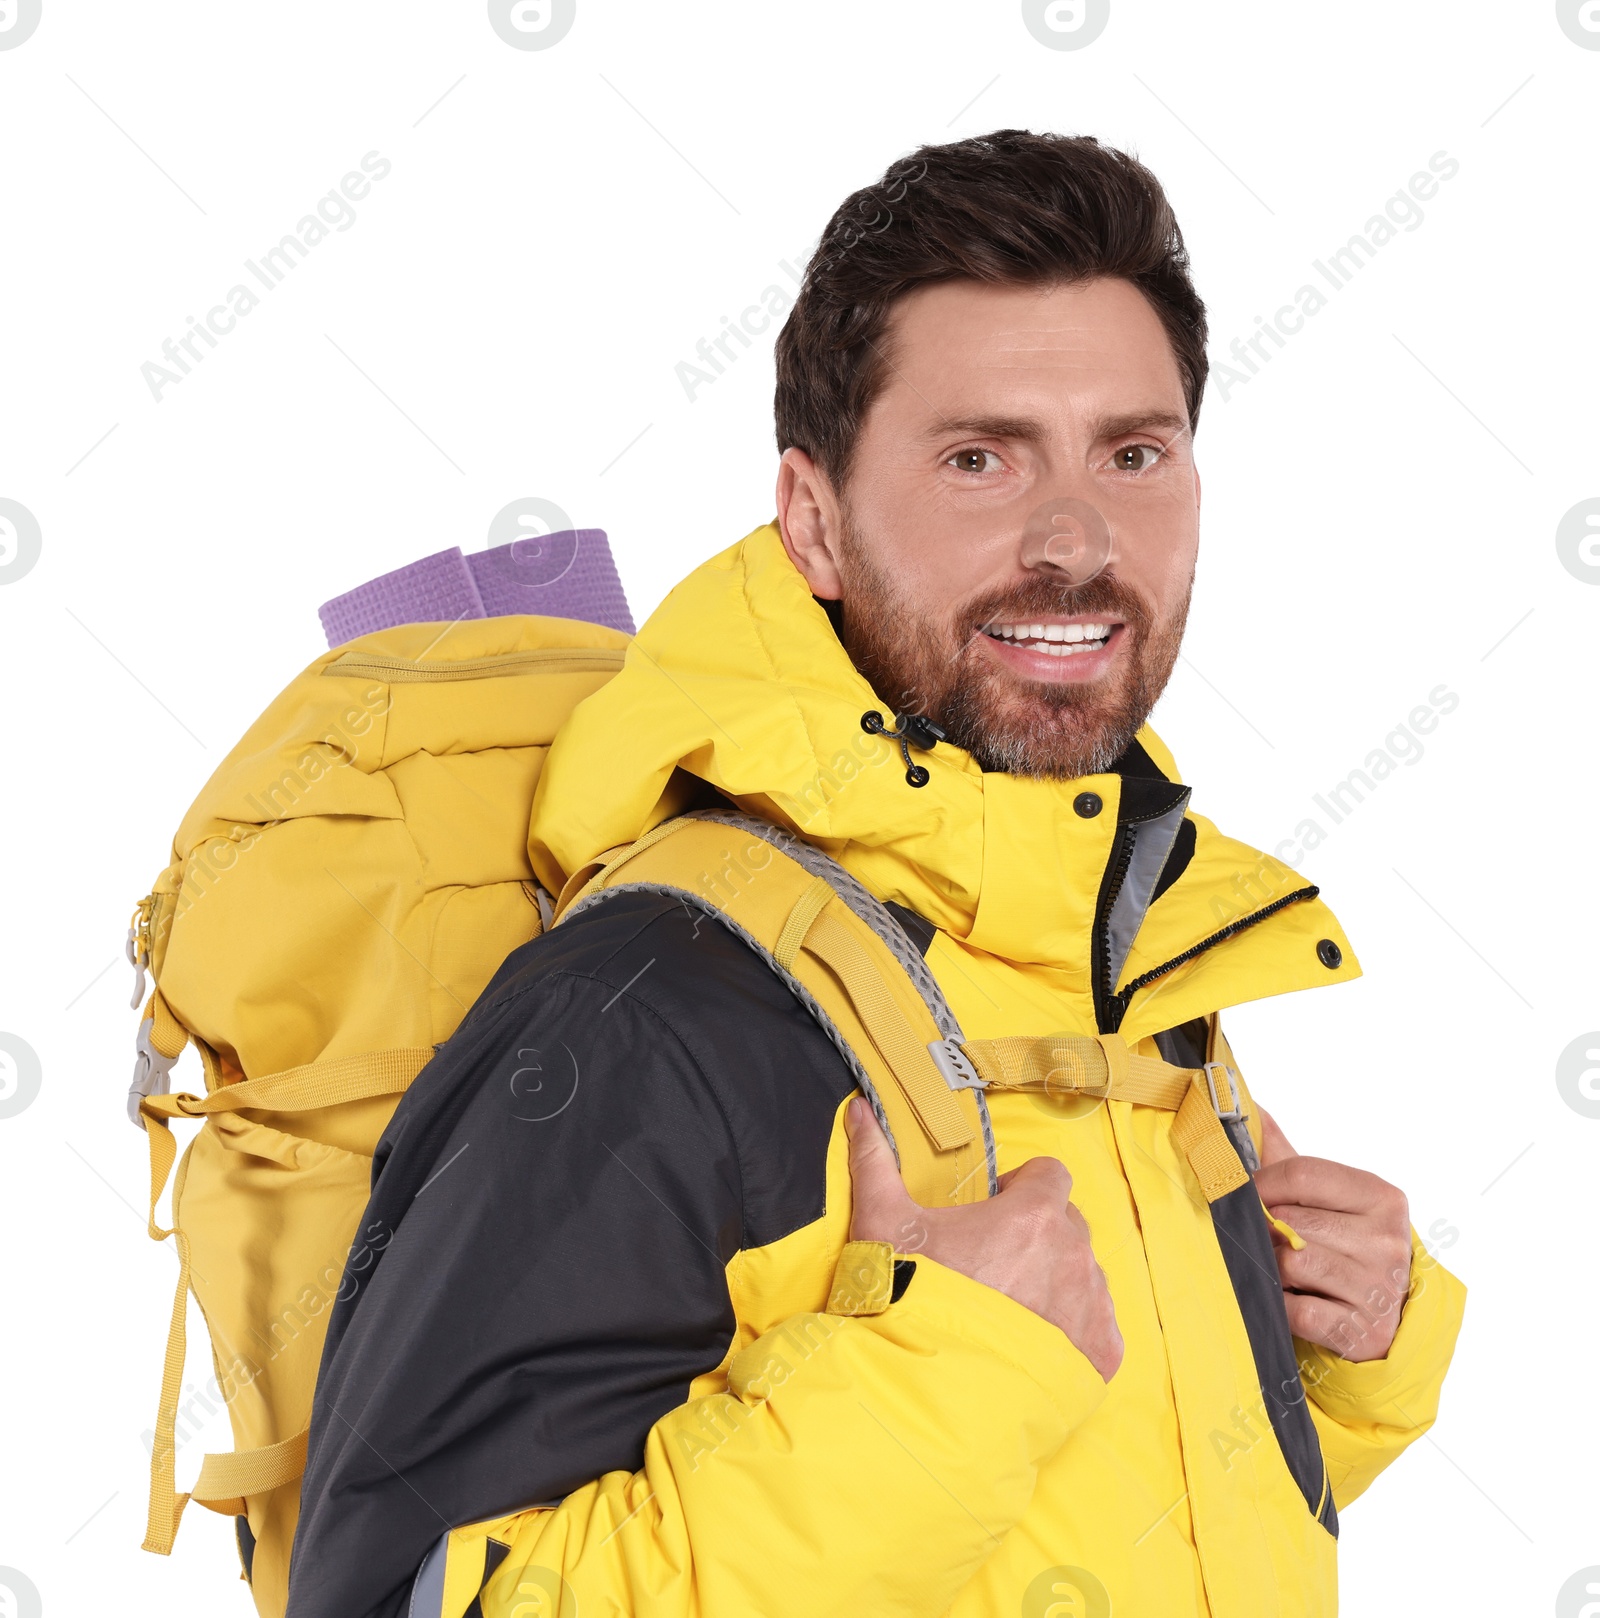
(1337, 1326)
(1319, 1320)
(1380, 1243)
(1104, 1349)
(880, 1200)
(1043, 1177)
(1345, 1233)
(1322, 1270)
(1316, 1182)
(1275, 1145)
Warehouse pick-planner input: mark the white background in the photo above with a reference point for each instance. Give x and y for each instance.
(504, 319)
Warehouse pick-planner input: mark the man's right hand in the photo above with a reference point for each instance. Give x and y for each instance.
(1028, 1241)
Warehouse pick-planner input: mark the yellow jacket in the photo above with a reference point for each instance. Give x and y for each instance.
(953, 1452)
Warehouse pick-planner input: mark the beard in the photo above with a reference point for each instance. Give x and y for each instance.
(919, 663)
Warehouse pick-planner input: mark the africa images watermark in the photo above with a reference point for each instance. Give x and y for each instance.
(532, 25)
(21, 1075)
(335, 1282)
(1270, 879)
(334, 213)
(18, 19)
(209, 861)
(19, 1595)
(1401, 212)
(754, 319)
(20, 541)
(1403, 745)
(1066, 25)
(871, 210)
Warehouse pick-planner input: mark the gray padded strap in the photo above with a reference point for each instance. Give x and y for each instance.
(871, 911)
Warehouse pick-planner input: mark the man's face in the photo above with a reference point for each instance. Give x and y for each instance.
(1000, 400)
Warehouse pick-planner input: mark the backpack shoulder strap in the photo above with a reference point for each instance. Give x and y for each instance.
(847, 961)
(854, 969)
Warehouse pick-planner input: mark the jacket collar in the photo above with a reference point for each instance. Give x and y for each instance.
(737, 683)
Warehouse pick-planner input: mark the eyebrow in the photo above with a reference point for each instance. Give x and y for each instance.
(1029, 430)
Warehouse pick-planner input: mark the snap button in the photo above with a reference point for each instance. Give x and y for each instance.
(1329, 953)
(1088, 804)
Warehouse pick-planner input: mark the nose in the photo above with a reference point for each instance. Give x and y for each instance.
(1066, 539)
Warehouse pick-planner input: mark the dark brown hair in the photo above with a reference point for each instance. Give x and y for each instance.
(1010, 207)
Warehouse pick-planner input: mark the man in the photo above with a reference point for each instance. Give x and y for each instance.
(602, 1365)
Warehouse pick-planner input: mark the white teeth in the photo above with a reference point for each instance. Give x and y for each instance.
(1048, 634)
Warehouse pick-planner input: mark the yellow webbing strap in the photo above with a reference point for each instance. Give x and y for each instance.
(1102, 1065)
(807, 908)
(1197, 1132)
(931, 1099)
(167, 1034)
(598, 873)
(227, 1481)
(1078, 1064)
(299, 1089)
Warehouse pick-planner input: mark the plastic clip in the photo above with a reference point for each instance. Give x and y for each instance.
(954, 1065)
(1233, 1121)
(152, 1072)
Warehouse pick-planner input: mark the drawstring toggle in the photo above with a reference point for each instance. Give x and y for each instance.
(914, 730)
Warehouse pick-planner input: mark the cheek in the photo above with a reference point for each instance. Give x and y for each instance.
(966, 562)
(933, 559)
(1154, 549)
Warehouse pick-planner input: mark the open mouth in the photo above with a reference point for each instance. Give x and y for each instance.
(1054, 639)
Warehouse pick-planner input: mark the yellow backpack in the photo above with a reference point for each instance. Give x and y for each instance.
(339, 894)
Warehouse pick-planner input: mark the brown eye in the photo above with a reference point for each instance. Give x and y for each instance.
(1136, 458)
(970, 460)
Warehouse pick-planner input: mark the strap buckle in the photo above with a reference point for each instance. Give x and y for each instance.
(1237, 1114)
(152, 1072)
(1233, 1122)
(954, 1065)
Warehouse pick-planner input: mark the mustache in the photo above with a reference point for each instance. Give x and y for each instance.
(1043, 597)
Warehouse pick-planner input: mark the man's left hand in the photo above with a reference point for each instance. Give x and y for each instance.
(1344, 1289)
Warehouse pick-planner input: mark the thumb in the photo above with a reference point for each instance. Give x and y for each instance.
(1275, 1145)
(879, 1199)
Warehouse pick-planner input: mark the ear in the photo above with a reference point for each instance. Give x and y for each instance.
(809, 520)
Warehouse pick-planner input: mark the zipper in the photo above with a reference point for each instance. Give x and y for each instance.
(1101, 982)
(1116, 875)
(1118, 1003)
(416, 671)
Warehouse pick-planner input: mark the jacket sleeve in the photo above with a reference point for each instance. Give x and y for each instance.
(1367, 1412)
(543, 1280)
(854, 1465)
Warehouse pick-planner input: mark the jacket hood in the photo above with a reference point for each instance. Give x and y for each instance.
(738, 683)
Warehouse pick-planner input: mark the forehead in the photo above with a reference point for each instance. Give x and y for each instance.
(1095, 343)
